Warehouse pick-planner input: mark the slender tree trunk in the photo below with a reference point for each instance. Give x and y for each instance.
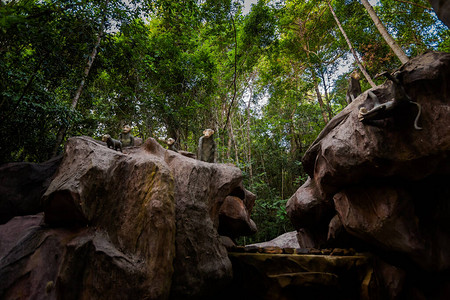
(235, 74)
(63, 128)
(322, 105)
(296, 145)
(361, 67)
(319, 96)
(386, 36)
(232, 143)
(327, 98)
(218, 115)
(229, 146)
(249, 143)
(415, 4)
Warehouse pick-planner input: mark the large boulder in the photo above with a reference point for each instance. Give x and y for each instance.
(234, 218)
(306, 207)
(129, 197)
(201, 264)
(38, 262)
(135, 225)
(286, 240)
(386, 180)
(22, 185)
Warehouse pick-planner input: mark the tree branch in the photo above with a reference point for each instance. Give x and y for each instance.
(414, 4)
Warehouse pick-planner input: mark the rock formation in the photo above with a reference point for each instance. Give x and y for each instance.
(286, 240)
(146, 223)
(22, 185)
(135, 225)
(201, 263)
(386, 182)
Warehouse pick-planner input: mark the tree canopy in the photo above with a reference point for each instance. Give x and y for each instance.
(267, 82)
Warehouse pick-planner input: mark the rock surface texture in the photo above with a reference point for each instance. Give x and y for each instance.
(385, 182)
(135, 225)
(286, 240)
(22, 186)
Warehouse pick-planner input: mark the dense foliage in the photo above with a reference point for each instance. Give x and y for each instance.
(266, 81)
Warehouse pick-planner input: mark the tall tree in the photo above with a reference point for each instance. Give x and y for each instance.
(311, 48)
(358, 62)
(384, 33)
(90, 60)
(41, 45)
(104, 16)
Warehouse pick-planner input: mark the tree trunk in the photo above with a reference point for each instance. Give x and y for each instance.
(296, 144)
(232, 143)
(249, 143)
(235, 74)
(386, 36)
(327, 98)
(361, 67)
(62, 129)
(319, 96)
(322, 105)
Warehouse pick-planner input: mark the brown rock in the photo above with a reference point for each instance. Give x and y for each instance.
(326, 251)
(43, 263)
(289, 250)
(130, 197)
(138, 141)
(17, 229)
(234, 219)
(187, 154)
(29, 258)
(307, 239)
(252, 249)
(310, 211)
(308, 205)
(201, 264)
(338, 252)
(22, 186)
(390, 279)
(315, 251)
(91, 263)
(388, 217)
(112, 217)
(382, 215)
(272, 250)
(227, 242)
(400, 150)
(334, 228)
(339, 237)
(302, 250)
(388, 180)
